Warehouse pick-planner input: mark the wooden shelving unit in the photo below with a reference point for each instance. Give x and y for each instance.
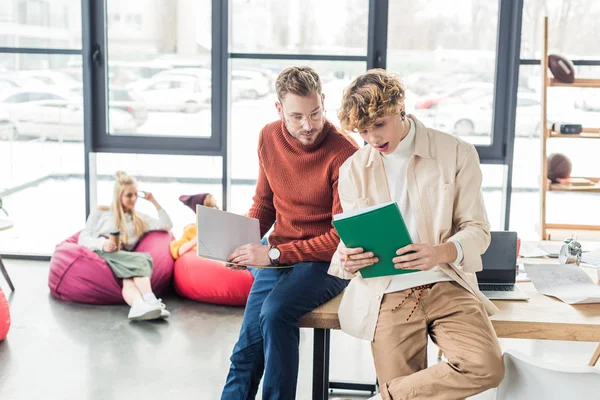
(584, 135)
(588, 133)
(579, 83)
(557, 187)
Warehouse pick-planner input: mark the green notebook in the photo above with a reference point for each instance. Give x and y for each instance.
(379, 229)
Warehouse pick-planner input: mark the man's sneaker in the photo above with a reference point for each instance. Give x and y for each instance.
(141, 310)
(163, 308)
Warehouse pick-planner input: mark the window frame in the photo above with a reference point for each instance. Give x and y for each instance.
(96, 92)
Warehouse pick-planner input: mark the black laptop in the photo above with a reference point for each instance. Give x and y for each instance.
(497, 280)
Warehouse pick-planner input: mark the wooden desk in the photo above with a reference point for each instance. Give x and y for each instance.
(541, 317)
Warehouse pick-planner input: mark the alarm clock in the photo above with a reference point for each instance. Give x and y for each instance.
(570, 252)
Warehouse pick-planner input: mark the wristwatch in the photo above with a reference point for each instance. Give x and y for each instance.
(274, 254)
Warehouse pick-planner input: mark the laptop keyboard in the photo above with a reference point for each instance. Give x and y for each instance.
(496, 288)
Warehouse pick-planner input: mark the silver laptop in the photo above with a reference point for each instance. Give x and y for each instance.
(221, 232)
(497, 280)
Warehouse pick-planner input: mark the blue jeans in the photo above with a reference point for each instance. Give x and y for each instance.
(269, 337)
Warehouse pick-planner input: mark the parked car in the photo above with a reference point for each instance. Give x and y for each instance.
(266, 73)
(174, 93)
(203, 75)
(475, 118)
(56, 115)
(245, 84)
(248, 85)
(465, 93)
(13, 81)
(121, 99)
(56, 80)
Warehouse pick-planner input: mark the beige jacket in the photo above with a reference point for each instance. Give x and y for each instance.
(444, 190)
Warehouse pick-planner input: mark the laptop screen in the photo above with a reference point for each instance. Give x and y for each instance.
(500, 259)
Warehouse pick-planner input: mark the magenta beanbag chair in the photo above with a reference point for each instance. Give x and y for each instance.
(78, 274)
(4, 316)
(210, 281)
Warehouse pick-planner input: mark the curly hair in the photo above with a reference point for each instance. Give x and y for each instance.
(297, 80)
(375, 94)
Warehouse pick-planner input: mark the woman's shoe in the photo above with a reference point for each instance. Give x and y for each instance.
(141, 310)
(164, 313)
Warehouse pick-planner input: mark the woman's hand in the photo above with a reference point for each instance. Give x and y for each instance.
(109, 246)
(150, 197)
(356, 258)
(424, 256)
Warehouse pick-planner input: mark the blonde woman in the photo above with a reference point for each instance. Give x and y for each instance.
(133, 267)
(435, 179)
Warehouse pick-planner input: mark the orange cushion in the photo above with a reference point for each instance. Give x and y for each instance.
(4, 316)
(209, 281)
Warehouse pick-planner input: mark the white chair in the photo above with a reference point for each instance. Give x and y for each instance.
(529, 378)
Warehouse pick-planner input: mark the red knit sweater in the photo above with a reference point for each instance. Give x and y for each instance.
(297, 190)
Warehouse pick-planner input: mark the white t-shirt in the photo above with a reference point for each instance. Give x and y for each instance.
(396, 165)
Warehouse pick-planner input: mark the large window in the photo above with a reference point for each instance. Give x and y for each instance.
(445, 51)
(570, 29)
(299, 26)
(154, 88)
(176, 92)
(46, 24)
(41, 124)
(159, 67)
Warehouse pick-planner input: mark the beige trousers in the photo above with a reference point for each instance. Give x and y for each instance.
(457, 323)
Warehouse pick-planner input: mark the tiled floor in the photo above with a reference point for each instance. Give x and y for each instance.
(57, 350)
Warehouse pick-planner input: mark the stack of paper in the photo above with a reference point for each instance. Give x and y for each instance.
(567, 283)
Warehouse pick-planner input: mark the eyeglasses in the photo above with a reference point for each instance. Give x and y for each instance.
(299, 120)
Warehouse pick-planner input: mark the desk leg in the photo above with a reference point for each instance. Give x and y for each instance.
(5, 273)
(595, 357)
(321, 364)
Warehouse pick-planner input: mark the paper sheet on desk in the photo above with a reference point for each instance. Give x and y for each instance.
(568, 283)
(531, 250)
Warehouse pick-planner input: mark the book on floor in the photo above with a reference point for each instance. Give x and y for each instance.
(379, 229)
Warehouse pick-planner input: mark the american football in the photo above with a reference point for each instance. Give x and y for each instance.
(562, 68)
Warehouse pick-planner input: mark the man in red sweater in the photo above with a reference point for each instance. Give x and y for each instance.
(299, 158)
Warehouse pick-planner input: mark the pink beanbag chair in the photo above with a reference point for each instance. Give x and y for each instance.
(210, 281)
(78, 274)
(4, 316)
